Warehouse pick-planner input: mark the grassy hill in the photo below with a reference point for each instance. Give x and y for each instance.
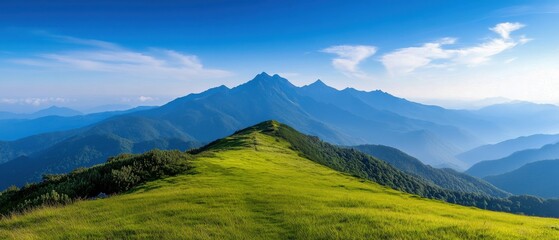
(254, 185)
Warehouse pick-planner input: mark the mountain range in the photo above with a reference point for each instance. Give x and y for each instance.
(432, 134)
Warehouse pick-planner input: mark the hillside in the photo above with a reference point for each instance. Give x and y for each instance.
(537, 178)
(253, 185)
(445, 178)
(514, 161)
(506, 148)
(30, 145)
(92, 146)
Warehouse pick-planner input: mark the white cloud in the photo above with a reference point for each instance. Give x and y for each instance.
(510, 60)
(109, 57)
(9, 100)
(349, 58)
(34, 101)
(504, 29)
(407, 60)
(145, 99)
(481, 53)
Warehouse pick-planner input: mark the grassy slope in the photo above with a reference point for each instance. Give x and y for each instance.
(268, 191)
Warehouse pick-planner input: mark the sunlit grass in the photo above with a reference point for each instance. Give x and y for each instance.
(267, 191)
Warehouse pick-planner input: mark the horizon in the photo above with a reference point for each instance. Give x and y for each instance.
(456, 55)
(456, 104)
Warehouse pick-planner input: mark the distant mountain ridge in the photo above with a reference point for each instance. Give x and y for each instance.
(392, 119)
(445, 178)
(520, 118)
(12, 129)
(506, 148)
(514, 161)
(50, 111)
(538, 178)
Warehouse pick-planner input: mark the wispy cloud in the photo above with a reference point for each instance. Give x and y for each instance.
(510, 60)
(110, 57)
(504, 29)
(140, 99)
(146, 99)
(522, 10)
(34, 101)
(349, 57)
(78, 41)
(407, 60)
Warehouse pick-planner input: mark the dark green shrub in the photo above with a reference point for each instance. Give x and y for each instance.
(119, 174)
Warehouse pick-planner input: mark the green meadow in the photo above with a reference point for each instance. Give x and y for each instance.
(253, 186)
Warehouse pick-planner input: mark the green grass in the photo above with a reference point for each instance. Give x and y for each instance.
(255, 187)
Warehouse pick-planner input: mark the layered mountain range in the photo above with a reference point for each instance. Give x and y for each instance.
(432, 134)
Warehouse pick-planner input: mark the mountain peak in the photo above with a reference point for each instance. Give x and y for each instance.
(320, 87)
(318, 83)
(54, 107)
(219, 88)
(55, 110)
(263, 74)
(265, 80)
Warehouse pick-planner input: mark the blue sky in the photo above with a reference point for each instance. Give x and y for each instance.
(81, 55)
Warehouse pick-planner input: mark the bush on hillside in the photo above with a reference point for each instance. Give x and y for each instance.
(119, 174)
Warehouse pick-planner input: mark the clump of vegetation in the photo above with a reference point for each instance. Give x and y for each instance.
(118, 175)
